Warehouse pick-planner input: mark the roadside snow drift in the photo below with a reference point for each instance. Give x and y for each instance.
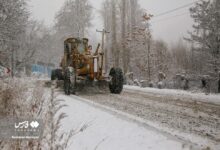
(187, 95)
(108, 131)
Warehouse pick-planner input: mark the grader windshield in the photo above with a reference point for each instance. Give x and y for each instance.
(81, 47)
(76, 44)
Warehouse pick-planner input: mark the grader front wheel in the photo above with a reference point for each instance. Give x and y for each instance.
(116, 83)
(67, 83)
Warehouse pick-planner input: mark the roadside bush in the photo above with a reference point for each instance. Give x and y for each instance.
(19, 98)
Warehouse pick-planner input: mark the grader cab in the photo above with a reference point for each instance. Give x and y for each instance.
(82, 66)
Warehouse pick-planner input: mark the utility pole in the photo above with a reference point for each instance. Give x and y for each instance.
(104, 32)
(147, 37)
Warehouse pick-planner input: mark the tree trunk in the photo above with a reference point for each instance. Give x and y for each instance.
(123, 28)
(107, 27)
(133, 9)
(115, 52)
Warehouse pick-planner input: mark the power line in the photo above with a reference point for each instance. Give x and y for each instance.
(173, 10)
(169, 18)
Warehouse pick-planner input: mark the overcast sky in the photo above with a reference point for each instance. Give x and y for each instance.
(170, 27)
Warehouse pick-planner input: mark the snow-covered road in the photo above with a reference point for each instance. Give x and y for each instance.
(111, 130)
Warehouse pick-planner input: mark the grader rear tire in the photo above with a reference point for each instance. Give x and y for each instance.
(56, 74)
(116, 84)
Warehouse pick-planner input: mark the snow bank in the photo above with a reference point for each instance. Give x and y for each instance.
(202, 97)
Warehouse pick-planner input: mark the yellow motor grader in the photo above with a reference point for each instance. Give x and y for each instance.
(81, 66)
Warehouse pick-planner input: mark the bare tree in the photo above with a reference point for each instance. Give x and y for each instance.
(30, 43)
(13, 19)
(181, 57)
(73, 19)
(123, 36)
(115, 51)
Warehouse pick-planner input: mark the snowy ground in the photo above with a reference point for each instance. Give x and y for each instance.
(111, 130)
(191, 117)
(143, 118)
(140, 118)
